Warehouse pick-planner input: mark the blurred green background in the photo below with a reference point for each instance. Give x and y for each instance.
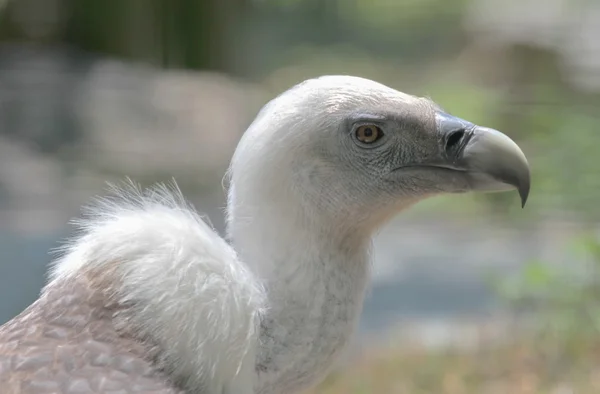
(92, 91)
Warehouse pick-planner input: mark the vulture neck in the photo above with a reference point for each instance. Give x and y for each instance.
(315, 272)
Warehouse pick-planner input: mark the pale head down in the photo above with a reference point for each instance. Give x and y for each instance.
(353, 152)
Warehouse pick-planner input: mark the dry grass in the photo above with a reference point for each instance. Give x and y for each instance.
(525, 367)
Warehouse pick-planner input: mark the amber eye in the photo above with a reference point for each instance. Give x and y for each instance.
(367, 134)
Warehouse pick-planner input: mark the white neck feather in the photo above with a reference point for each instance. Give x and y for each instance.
(315, 273)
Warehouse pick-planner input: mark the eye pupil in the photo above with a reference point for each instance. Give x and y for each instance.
(368, 134)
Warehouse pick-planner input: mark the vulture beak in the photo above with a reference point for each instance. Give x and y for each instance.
(491, 160)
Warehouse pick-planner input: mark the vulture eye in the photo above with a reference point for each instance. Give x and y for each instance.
(367, 134)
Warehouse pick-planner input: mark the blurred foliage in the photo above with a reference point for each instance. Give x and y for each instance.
(517, 368)
(561, 302)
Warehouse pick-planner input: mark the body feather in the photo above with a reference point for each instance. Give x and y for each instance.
(162, 277)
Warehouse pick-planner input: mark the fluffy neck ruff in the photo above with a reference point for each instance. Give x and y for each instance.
(176, 285)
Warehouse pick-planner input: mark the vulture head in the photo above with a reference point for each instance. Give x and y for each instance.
(353, 151)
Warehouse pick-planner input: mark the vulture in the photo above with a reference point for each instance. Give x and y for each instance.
(148, 298)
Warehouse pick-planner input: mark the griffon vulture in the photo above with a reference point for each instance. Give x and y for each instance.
(147, 298)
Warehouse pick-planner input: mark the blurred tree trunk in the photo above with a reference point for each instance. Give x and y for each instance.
(194, 34)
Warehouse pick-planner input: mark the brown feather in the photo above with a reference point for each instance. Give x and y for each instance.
(66, 342)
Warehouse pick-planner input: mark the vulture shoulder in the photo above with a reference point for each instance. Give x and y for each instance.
(66, 343)
(147, 298)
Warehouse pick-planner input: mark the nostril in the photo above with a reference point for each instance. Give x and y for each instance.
(455, 139)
